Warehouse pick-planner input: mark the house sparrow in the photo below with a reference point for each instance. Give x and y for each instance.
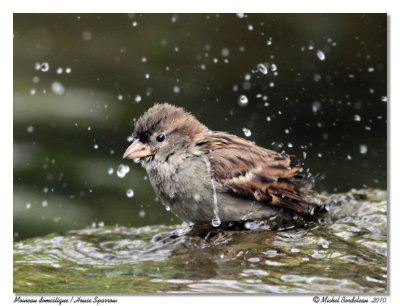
(207, 177)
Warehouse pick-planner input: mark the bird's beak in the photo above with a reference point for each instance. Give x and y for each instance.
(137, 150)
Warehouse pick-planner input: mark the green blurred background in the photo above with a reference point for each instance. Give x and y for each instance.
(81, 79)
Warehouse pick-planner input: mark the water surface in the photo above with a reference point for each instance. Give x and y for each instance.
(345, 255)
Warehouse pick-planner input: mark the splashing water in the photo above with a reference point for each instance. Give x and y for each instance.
(44, 67)
(122, 170)
(321, 55)
(246, 132)
(216, 221)
(243, 100)
(363, 149)
(262, 68)
(130, 193)
(57, 88)
(256, 260)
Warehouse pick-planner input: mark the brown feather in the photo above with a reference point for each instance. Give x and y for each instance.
(248, 170)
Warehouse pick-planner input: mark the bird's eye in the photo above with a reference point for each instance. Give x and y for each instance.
(160, 137)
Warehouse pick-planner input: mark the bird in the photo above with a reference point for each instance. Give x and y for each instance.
(214, 178)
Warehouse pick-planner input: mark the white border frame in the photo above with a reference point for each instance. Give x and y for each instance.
(8, 7)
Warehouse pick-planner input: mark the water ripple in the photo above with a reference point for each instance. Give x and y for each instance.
(344, 255)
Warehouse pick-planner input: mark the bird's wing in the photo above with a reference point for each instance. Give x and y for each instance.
(250, 171)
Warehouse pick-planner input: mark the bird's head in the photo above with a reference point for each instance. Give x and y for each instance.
(162, 131)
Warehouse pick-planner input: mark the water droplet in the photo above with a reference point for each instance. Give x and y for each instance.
(290, 145)
(246, 132)
(130, 193)
(348, 157)
(45, 203)
(363, 149)
(240, 15)
(321, 55)
(316, 106)
(250, 27)
(317, 77)
(274, 67)
(134, 24)
(176, 89)
(147, 76)
(216, 221)
(57, 88)
(95, 146)
(30, 129)
(384, 99)
(59, 70)
(243, 100)
(110, 171)
(357, 118)
(28, 205)
(122, 170)
(44, 67)
(138, 98)
(33, 92)
(225, 52)
(68, 70)
(304, 155)
(371, 69)
(262, 68)
(87, 35)
(167, 208)
(142, 213)
(269, 41)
